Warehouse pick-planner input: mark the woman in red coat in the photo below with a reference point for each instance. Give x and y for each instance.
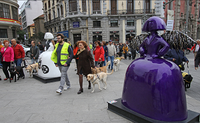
(98, 54)
(7, 57)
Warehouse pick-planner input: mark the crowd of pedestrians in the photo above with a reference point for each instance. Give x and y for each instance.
(86, 57)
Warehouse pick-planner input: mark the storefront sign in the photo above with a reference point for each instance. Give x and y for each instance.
(76, 25)
(65, 33)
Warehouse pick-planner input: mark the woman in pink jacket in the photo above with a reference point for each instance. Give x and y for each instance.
(7, 57)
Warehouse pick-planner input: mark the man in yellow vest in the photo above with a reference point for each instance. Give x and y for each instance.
(62, 56)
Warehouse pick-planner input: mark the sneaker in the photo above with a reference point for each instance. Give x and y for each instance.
(59, 91)
(66, 88)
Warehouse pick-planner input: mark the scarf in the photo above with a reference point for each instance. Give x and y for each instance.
(81, 50)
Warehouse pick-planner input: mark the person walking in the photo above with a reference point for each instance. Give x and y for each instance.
(7, 57)
(62, 56)
(111, 53)
(177, 56)
(34, 50)
(125, 50)
(19, 55)
(98, 54)
(75, 50)
(105, 52)
(197, 60)
(120, 49)
(195, 48)
(41, 47)
(85, 63)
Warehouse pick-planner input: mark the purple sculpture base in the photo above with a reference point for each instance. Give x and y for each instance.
(118, 108)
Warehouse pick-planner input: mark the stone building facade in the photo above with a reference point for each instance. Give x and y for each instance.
(102, 20)
(8, 19)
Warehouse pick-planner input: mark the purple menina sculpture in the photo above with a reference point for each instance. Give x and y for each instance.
(154, 86)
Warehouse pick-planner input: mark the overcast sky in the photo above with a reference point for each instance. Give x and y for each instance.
(20, 2)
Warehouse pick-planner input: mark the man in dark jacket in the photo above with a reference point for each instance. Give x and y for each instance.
(177, 56)
(41, 47)
(34, 50)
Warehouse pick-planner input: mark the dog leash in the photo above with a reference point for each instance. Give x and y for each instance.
(96, 78)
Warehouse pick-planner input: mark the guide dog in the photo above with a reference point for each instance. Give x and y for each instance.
(95, 78)
(32, 67)
(100, 69)
(15, 72)
(116, 63)
(187, 80)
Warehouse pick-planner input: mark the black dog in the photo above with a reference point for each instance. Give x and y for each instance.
(187, 79)
(15, 72)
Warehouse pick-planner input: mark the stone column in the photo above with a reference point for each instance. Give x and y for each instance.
(196, 19)
(177, 17)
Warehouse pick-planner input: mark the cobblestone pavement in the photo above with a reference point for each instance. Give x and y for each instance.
(31, 101)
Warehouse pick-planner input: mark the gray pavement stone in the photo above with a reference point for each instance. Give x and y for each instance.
(31, 101)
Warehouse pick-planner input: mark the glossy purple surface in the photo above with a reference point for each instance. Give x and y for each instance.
(154, 24)
(154, 86)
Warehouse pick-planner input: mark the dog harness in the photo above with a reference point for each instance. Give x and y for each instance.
(96, 79)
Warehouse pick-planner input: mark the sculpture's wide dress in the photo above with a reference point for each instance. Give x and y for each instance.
(154, 86)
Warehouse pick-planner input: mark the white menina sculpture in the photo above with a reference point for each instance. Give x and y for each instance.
(47, 66)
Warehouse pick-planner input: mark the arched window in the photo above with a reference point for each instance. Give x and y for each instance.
(58, 11)
(45, 6)
(61, 9)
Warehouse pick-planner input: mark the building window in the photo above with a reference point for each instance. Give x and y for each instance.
(96, 5)
(4, 11)
(51, 30)
(54, 29)
(72, 5)
(15, 13)
(13, 33)
(45, 6)
(54, 16)
(147, 6)
(49, 16)
(52, 2)
(130, 6)
(83, 5)
(33, 30)
(3, 33)
(49, 4)
(61, 9)
(65, 27)
(130, 22)
(96, 24)
(114, 23)
(59, 29)
(58, 12)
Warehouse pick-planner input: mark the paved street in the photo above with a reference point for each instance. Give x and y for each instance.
(31, 101)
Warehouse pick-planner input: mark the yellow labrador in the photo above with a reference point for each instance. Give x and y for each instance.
(95, 78)
(100, 69)
(116, 63)
(30, 68)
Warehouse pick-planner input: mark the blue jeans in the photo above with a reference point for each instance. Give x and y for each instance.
(111, 59)
(33, 61)
(18, 62)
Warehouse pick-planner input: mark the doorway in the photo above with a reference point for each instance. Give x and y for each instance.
(77, 37)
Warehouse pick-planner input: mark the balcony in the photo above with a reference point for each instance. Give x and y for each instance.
(73, 13)
(55, 20)
(136, 11)
(96, 12)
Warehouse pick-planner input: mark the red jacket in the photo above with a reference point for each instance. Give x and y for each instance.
(75, 51)
(18, 51)
(7, 55)
(99, 53)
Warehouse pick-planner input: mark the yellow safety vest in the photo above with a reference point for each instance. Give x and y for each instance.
(90, 46)
(64, 55)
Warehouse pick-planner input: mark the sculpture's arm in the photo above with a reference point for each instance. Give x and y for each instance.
(164, 49)
(142, 48)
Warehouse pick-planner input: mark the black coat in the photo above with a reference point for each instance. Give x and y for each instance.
(85, 62)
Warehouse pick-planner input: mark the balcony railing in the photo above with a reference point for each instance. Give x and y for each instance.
(96, 12)
(135, 11)
(52, 21)
(73, 13)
